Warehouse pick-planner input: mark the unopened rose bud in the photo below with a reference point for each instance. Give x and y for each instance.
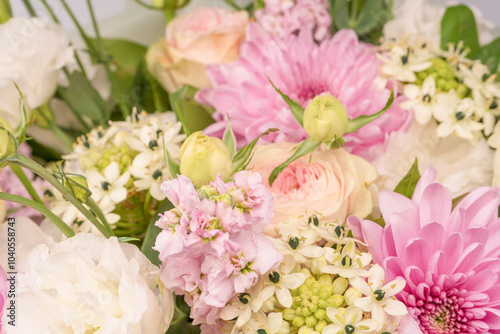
(325, 118)
(202, 158)
(7, 145)
(78, 186)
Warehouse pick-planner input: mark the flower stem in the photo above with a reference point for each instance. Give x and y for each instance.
(26, 182)
(61, 135)
(145, 4)
(68, 232)
(5, 11)
(95, 208)
(114, 84)
(29, 8)
(23, 161)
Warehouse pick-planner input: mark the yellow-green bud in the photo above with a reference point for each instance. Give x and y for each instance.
(289, 314)
(7, 145)
(298, 321)
(306, 330)
(320, 325)
(311, 321)
(268, 305)
(320, 314)
(202, 158)
(351, 295)
(325, 118)
(335, 300)
(317, 264)
(340, 285)
(325, 279)
(78, 186)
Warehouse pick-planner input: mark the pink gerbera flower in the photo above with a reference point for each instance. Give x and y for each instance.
(341, 66)
(450, 259)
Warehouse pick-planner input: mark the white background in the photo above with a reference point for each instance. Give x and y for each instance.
(126, 19)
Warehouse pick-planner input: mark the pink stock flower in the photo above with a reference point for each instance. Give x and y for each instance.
(11, 184)
(3, 294)
(341, 66)
(450, 259)
(212, 246)
(283, 18)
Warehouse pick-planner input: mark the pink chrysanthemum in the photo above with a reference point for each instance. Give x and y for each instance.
(282, 18)
(341, 66)
(11, 184)
(450, 259)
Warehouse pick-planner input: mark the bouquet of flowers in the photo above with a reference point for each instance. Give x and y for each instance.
(268, 167)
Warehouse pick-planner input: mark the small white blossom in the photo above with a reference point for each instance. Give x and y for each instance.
(402, 64)
(351, 321)
(421, 100)
(109, 188)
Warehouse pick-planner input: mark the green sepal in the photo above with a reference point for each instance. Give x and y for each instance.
(295, 107)
(407, 185)
(245, 154)
(359, 122)
(307, 146)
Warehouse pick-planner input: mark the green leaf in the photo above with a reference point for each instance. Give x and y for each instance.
(244, 155)
(307, 146)
(489, 55)
(173, 166)
(358, 122)
(127, 239)
(41, 151)
(295, 107)
(407, 185)
(458, 24)
(197, 116)
(379, 221)
(148, 94)
(152, 232)
(229, 139)
(83, 99)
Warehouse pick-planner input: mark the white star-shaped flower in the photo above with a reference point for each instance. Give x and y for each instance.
(350, 321)
(379, 300)
(421, 99)
(109, 188)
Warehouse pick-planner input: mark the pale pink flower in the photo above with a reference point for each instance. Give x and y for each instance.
(211, 245)
(3, 294)
(11, 184)
(450, 259)
(341, 66)
(283, 18)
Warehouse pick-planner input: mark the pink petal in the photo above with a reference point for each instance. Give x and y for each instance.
(427, 178)
(435, 205)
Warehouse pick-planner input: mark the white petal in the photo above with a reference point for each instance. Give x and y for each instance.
(111, 172)
(118, 194)
(365, 303)
(361, 285)
(293, 281)
(395, 307)
(230, 312)
(393, 287)
(244, 317)
(284, 297)
(274, 321)
(353, 314)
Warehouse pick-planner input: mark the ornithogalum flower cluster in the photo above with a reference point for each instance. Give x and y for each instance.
(212, 246)
(450, 258)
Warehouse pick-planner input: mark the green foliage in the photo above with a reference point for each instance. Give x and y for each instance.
(195, 116)
(358, 122)
(295, 107)
(458, 24)
(229, 140)
(366, 17)
(407, 185)
(83, 99)
(489, 55)
(152, 232)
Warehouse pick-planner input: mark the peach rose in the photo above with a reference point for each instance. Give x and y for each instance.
(333, 185)
(207, 35)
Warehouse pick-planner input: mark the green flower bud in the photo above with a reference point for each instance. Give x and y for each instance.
(311, 321)
(289, 314)
(306, 330)
(317, 264)
(298, 321)
(320, 314)
(320, 325)
(268, 305)
(351, 295)
(202, 158)
(78, 186)
(325, 118)
(335, 301)
(7, 145)
(340, 285)
(325, 280)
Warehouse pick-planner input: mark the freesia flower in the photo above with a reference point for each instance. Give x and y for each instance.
(87, 284)
(341, 66)
(332, 184)
(450, 258)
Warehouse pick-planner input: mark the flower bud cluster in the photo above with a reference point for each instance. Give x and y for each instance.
(444, 76)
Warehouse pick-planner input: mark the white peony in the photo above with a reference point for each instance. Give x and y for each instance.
(461, 166)
(33, 52)
(89, 284)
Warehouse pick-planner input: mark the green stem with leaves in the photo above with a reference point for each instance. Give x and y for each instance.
(40, 208)
(26, 182)
(95, 208)
(25, 162)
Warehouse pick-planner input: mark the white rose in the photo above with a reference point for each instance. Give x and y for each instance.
(461, 166)
(89, 284)
(33, 52)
